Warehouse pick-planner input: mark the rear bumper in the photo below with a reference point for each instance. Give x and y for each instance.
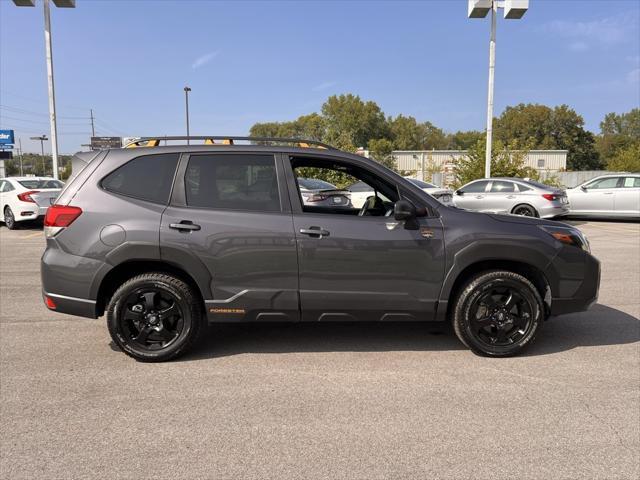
(554, 210)
(70, 305)
(586, 293)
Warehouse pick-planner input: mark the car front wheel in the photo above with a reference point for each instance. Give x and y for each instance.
(155, 317)
(498, 313)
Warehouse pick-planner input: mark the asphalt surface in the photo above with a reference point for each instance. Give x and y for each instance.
(322, 401)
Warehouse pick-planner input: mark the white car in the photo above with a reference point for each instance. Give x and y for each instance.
(26, 198)
(607, 196)
(360, 191)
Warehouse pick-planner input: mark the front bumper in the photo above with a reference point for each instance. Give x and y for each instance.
(585, 289)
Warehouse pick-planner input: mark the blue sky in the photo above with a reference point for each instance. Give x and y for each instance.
(264, 61)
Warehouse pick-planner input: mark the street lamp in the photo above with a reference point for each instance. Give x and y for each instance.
(513, 9)
(186, 103)
(52, 96)
(42, 138)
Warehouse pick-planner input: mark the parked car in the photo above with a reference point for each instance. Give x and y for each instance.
(360, 191)
(26, 198)
(443, 195)
(607, 196)
(318, 192)
(512, 195)
(163, 239)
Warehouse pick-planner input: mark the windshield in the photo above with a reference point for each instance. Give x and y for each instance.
(421, 184)
(44, 183)
(315, 184)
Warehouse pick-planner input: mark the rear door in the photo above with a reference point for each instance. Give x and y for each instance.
(627, 197)
(230, 217)
(501, 197)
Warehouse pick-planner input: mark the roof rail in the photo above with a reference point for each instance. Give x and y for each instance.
(229, 140)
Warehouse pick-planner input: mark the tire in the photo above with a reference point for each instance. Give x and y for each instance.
(498, 313)
(524, 210)
(10, 219)
(155, 317)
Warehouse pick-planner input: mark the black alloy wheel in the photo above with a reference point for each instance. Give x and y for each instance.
(155, 317)
(498, 313)
(525, 211)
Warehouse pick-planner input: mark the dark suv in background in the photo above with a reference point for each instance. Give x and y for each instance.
(162, 239)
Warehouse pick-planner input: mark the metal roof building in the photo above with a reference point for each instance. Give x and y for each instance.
(424, 164)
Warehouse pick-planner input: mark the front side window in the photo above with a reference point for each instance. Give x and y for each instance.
(232, 182)
(356, 191)
(475, 187)
(609, 182)
(148, 178)
(500, 187)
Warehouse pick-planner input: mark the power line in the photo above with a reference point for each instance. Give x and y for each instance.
(30, 112)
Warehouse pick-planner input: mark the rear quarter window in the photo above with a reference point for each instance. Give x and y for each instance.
(148, 178)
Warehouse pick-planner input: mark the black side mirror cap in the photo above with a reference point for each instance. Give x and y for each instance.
(583, 188)
(459, 192)
(404, 210)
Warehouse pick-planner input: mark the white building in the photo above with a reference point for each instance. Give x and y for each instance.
(439, 165)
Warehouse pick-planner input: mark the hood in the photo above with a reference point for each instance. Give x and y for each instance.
(519, 219)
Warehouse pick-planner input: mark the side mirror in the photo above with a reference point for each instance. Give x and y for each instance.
(404, 210)
(459, 192)
(583, 188)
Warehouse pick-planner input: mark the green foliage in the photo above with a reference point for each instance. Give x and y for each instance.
(33, 164)
(618, 134)
(463, 140)
(351, 122)
(380, 150)
(626, 159)
(542, 127)
(506, 161)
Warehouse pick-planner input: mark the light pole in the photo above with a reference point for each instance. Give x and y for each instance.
(50, 83)
(186, 104)
(513, 9)
(42, 138)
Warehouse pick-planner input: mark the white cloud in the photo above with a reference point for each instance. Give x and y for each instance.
(324, 86)
(204, 59)
(634, 76)
(605, 32)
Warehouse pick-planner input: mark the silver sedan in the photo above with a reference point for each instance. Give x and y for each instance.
(607, 196)
(512, 195)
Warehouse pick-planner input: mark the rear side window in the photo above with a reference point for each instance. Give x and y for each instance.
(147, 178)
(232, 182)
(500, 186)
(475, 187)
(632, 182)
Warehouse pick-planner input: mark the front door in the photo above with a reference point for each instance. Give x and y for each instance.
(596, 197)
(360, 263)
(230, 216)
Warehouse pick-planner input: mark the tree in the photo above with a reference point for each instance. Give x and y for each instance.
(506, 161)
(407, 134)
(626, 159)
(618, 132)
(380, 150)
(543, 127)
(351, 122)
(463, 140)
(311, 127)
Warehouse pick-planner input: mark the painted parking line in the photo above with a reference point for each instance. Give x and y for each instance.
(36, 234)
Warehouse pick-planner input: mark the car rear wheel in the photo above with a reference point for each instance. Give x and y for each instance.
(525, 210)
(154, 317)
(9, 219)
(498, 313)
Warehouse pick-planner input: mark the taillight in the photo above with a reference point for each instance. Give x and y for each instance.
(26, 196)
(317, 197)
(550, 196)
(59, 217)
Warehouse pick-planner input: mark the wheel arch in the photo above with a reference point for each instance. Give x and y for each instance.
(525, 204)
(129, 269)
(533, 273)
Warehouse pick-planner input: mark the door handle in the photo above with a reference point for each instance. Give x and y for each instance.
(607, 193)
(315, 232)
(185, 226)
(479, 196)
(511, 196)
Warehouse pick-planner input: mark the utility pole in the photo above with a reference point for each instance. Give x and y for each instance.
(20, 156)
(42, 139)
(93, 130)
(186, 100)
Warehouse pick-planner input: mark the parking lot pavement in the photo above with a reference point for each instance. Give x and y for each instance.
(324, 400)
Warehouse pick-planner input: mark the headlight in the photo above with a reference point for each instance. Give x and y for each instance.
(568, 235)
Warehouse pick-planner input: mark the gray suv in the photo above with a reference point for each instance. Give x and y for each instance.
(164, 239)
